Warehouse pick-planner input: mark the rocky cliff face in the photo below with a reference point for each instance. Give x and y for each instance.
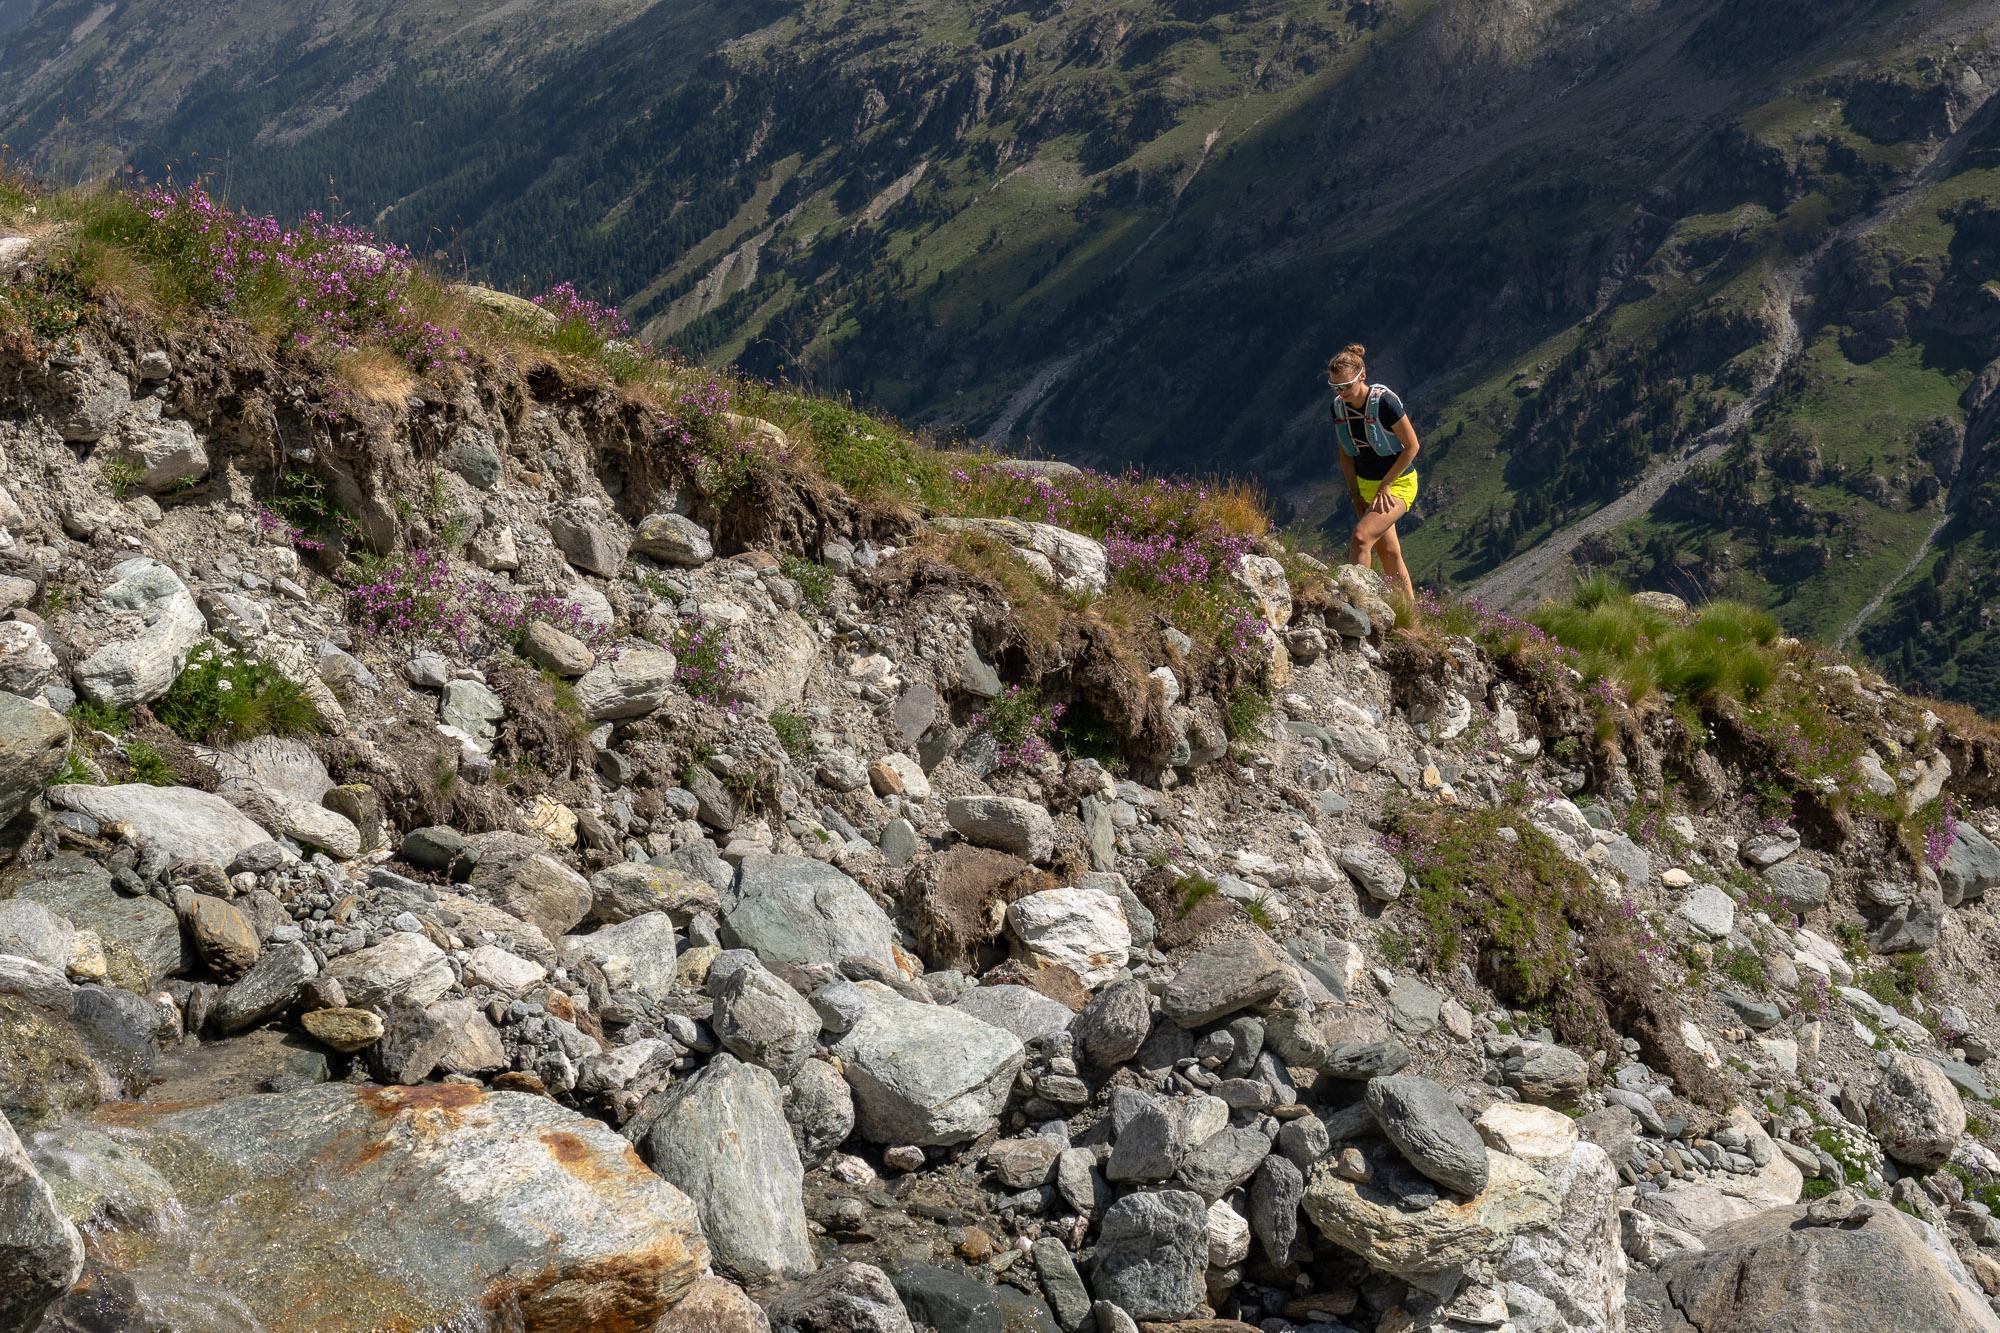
(482, 856)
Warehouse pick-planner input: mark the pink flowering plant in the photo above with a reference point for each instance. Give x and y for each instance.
(328, 285)
(704, 663)
(421, 596)
(1157, 534)
(1022, 727)
(582, 327)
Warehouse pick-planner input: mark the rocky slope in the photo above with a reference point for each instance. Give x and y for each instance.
(515, 852)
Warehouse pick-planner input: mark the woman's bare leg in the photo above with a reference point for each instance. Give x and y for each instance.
(1390, 547)
(1369, 530)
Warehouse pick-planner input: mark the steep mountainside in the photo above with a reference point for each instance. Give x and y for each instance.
(1584, 238)
(502, 831)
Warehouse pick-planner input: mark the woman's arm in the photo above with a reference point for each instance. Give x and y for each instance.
(1408, 435)
(1353, 489)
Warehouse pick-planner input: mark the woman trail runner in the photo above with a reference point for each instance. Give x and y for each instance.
(1377, 447)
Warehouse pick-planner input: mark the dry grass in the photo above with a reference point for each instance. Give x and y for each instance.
(375, 375)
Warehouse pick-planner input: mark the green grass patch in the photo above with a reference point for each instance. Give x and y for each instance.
(223, 696)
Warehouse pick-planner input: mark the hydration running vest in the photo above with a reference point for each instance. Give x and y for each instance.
(1379, 439)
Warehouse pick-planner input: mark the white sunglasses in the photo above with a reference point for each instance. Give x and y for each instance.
(1348, 383)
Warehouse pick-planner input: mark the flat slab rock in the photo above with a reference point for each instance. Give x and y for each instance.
(350, 1208)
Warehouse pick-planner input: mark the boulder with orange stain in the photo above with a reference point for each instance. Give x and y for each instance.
(355, 1208)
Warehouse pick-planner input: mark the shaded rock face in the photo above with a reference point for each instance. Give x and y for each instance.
(40, 1251)
(1777, 1272)
(353, 1208)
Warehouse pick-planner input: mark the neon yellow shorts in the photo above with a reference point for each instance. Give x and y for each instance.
(1404, 488)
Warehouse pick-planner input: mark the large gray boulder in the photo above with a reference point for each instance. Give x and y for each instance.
(1151, 1253)
(926, 1074)
(539, 889)
(1231, 974)
(636, 955)
(1914, 1112)
(405, 966)
(1401, 1223)
(33, 741)
(1868, 1269)
(789, 909)
(156, 622)
(435, 1206)
(1022, 1010)
(41, 1254)
(721, 1137)
(186, 824)
(1420, 1117)
(1006, 823)
(1970, 868)
(632, 684)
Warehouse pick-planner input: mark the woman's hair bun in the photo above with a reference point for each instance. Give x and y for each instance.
(1356, 348)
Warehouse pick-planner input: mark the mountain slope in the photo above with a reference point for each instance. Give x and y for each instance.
(1130, 232)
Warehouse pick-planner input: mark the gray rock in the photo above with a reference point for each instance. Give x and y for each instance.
(473, 709)
(1776, 1272)
(1547, 1073)
(951, 1298)
(842, 1297)
(539, 890)
(633, 888)
(440, 849)
(1007, 823)
(1970, 868)
(1422, 1119)
(502, 1201)
(1231, 974)
(1061, 1284)
(588, 542)
(182, 823)
(1304, 1141)
(167, 452)
(632, 684)
(1915, 1112)
(820, 1107)
(1360, 1061)
(565, 654)
(760, 1019)
(268, 988)
(1025, 1012)
(472, 456)
(636, 955)
(1763, 850)
(404, 966)
(1414, 1007)
(673, 539)
(27, 663)
(899, 842)
(412, 1044)
(1151, 1141)
(1798, 886)
(925, 1074)
(30, 930)
(793, 910)
(157, 622)
(1151, 1253)
(721, 1137)
(1274, 1207)
(1380, 874)
(1114, 1025)
(41, 1254)
(33, 743)
(1223, 1161)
